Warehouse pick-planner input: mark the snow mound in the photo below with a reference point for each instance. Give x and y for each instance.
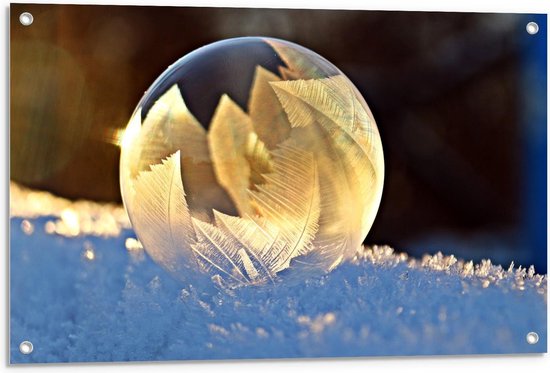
(99, 297)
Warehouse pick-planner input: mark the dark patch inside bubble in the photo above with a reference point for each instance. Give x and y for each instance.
(203, 77)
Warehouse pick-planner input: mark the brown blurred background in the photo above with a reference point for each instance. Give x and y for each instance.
(446, 89)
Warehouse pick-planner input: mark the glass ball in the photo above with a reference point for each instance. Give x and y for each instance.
(249, 158)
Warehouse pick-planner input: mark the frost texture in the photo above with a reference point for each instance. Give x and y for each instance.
(297, 178)
(228, 136)
(162, 208)
(251, 249)
(296, 181)
(120, 306)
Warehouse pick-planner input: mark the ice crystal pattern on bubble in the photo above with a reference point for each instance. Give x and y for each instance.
(301, 168)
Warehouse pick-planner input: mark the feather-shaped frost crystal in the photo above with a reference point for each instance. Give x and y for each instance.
(249, 157)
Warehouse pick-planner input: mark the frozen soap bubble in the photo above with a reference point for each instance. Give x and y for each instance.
(248, 157)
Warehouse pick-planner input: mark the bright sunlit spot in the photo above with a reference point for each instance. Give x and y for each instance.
(128, 135)
(71, 224)
(133, 244)
(114, 136)
(89, 254)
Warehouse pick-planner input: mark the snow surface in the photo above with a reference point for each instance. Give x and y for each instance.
(88, 298)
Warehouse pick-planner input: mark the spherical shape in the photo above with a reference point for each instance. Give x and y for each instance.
(248, 157)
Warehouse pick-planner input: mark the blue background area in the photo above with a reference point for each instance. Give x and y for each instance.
(121, 306)
(534, 70)
(525, 241)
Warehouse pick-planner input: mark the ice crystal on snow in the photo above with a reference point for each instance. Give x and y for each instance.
(68, 218)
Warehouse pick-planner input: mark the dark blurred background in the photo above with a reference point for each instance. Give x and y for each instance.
(460, 101)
